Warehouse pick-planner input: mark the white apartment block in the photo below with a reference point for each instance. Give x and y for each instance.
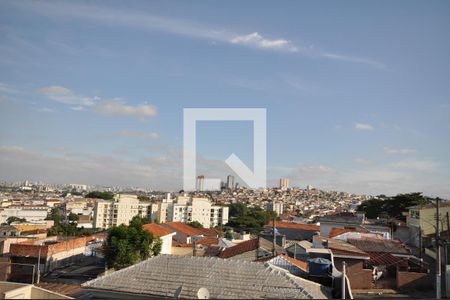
(121, 210)
(199, 209)
(276, 206)
(185, 209)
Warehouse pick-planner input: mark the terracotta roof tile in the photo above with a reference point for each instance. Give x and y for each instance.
(279, 224)
(378, 245)
(301, 264)
(157, 230)
(338, 231)
(183, 228)
(208, 241)
(239, 248)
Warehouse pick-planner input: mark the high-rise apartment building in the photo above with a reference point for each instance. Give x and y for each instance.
(230, 182)
(200, 183)
(184, 209)
(284, 183)
(120, 210)
(276, 206)
(188, 209)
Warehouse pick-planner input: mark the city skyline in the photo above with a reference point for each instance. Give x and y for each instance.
(94, 94)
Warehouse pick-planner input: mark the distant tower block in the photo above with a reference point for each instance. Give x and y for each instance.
(200, 183)
(284, 183)
(230, 182)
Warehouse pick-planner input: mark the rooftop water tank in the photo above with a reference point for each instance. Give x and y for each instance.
(319, 266)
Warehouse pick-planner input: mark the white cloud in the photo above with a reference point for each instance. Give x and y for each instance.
(118, 108)
(363, 126)
(353, 59)
(258, 41)
(11, 149)
(148, 22)
(7, 89)
(404, 151)
(305, 172)
(64, 95)
(139, 134)
(46, 110)
(111, 107)
(416, 165)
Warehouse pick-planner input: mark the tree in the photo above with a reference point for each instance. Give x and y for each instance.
(195, 224)
(63, 229)
(248, 218)
(392, 206)
(144, 198)
(73, 218)
(100, 195)
(126, 245)
(13, 219)
(237, 210)
(372, 207)
(54, 215)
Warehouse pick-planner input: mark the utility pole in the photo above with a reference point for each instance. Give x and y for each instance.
(448, 240)
(274, 238)
(343, 279)
(39, 266)
(438, 254)
(420, 242)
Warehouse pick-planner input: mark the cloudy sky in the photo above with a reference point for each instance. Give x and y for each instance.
(357, 93)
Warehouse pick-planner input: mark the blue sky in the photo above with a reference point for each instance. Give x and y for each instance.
(357, 93)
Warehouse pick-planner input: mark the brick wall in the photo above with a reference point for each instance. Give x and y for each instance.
(359, 277)
(28, 249)
(5, 268)
(413, 280)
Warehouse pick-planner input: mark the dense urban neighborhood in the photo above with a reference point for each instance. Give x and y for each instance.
(92, 242)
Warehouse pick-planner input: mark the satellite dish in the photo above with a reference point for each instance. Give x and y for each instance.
(203, 293)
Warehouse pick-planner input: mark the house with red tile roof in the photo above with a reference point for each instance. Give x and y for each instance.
(347, 233)
(294, 231)
(184, 232)
(164, 234)
(247, 250)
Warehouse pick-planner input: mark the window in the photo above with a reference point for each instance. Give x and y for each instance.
(415, 214)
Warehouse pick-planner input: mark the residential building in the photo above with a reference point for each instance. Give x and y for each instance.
(230, 182)
(276, 206)
(120, 210)
(52, 253)
(14, 290)
(423, 218)
(31, 213)
(200, 183)
(284, 183)
(185, 234)
(348, 220)
(172, 276)
(293, 231)
(186, 209)
(162, 233)
(199, 209)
